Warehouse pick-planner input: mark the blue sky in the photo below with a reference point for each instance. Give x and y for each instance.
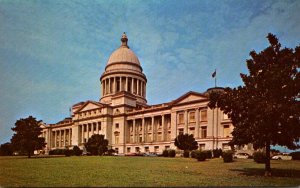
(52, 53)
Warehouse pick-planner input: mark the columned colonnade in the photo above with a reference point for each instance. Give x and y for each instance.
(115, 84)
(87, 130)
(62, 137)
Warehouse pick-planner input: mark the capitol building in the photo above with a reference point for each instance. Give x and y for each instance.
(129, 123)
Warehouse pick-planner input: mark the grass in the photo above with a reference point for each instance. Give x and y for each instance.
(142, 171)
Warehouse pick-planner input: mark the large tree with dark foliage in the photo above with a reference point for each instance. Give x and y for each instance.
(265, 111)
(26, 139)
(97, 144)
(186, 142)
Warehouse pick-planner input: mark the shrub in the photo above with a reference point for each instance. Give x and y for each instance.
(186, 154)
(296, 155)
(77, 151)
(165, 153)
(172, 153)
(193, 154)
(68, 152)
(259, 157)
(57, 152)
(208, 154)
(227, 156)
(201, 155)
(217, 153)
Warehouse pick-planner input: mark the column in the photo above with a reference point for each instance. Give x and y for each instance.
(109, 88)
(55, 139)
(126, 86)
(145, 89)
(152, 126)
(163, 127)
(82, 134)
(132, 85)
(143, 129)
(197, 123)
(185, 122)
(69, 142)
(142, 89)
(97, 128)
(137, 87)
(133, 124)
(103, 86)
(88, 131)
(65, 137)
(114, 85)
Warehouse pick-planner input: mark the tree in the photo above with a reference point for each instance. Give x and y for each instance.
(265, 111)
(6, 149)
(186, 142)
(26, 139)
(97, 144)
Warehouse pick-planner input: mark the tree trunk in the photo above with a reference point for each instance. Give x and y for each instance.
(267, 162)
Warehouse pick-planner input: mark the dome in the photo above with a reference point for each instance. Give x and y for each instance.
(123, 54)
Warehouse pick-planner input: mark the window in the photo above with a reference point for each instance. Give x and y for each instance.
(203, 115)
(167, 147)
(149, 139)
(225, 147)
(128, 150)
(149, 127)
(140, 138)
(203, 132)
(225, 116)
(202, 147)
(180, 131)
(90, 128)
(131, 128)
(117, 150)
(192, 131)
(181, 118)
(160, 123)
(84, 128)
(84, 141)
(141, 128)
(192, 117)
(137, 149)
(156, 149)
(159, 137)
(94, 126)
(99, 126)
(117, 125)
(117, 138)
(147, 149)
(169, 136)
(226, 132)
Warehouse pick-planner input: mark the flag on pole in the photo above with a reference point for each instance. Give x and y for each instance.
(214, 73)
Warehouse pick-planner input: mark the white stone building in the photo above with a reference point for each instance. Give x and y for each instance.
(129, 123)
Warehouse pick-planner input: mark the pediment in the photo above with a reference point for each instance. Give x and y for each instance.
(189, 97)
(89, 105)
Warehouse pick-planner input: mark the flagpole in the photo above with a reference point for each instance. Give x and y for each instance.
(216, 78)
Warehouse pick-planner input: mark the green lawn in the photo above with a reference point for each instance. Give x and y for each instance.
(142, 171)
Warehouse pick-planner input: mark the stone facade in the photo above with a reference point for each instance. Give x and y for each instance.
(129, 123)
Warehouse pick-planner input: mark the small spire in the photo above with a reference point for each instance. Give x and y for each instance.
(124, 40)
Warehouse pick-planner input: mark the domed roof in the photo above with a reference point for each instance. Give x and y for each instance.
(123, 53)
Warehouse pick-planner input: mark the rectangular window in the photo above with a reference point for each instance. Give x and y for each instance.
(159, 137)
(128, 150)
(117, 125)
(169, 136)
(84, 128)
(94, 127)
(137, 149)
(140, 139)
(192, 131)
(146, 149)
(117, 150)
(203, 115)
(192, 117)
(167, 147)
(180, 131)
(89, 127)
(203, 132)
(149, 137)
(181, 118)
(99, 126)
(226, 131)
(156, 149)
(202, 147)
